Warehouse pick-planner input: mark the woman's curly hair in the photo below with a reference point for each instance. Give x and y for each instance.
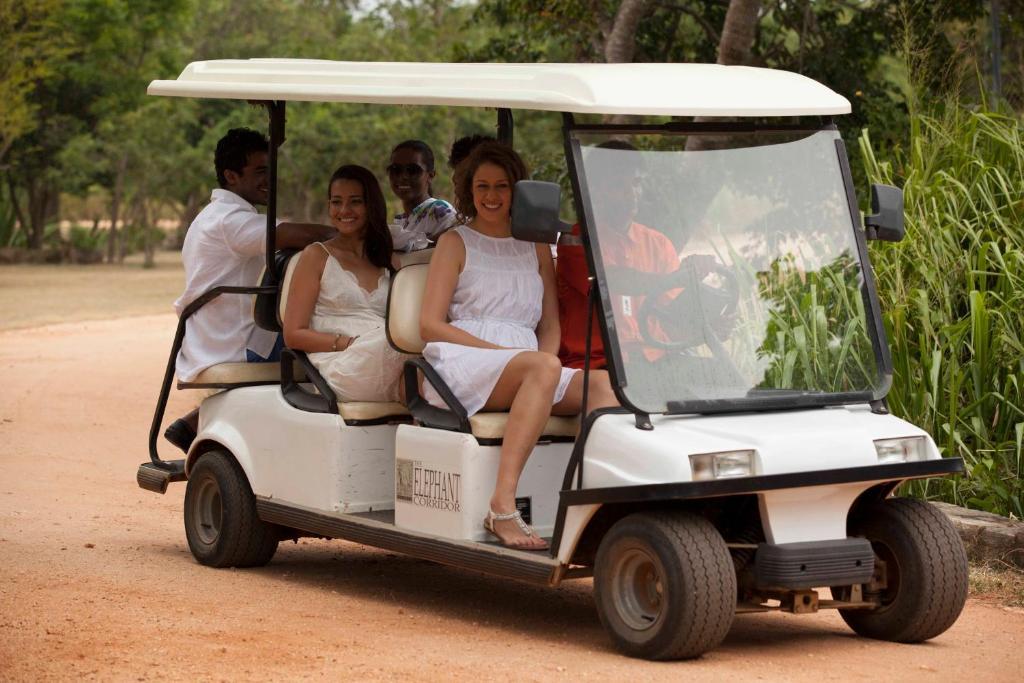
(496, 153)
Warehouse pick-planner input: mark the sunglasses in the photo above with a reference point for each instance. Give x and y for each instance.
(408, 169)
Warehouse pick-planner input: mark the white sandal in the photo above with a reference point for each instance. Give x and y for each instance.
(493, 517)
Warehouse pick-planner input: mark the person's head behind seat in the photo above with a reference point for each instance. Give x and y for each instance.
(234, 152)
(462, 147)
(494, 153)
(377, 239)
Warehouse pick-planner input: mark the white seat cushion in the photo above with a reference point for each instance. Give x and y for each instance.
(240, 373)
(492, 426)
(286, 283)
(364, 411)
(404, 302)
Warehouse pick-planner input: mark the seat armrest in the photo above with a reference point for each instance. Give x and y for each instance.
(454, 419)
(298, 396)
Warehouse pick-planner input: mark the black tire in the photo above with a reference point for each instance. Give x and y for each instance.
(926, 571)
(664, 585)
(221, 524)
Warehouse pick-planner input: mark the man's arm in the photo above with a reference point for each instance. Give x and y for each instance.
(300, 235)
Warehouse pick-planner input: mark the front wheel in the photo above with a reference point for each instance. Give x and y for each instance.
(221, 524)
(664, 585)
(924, 565)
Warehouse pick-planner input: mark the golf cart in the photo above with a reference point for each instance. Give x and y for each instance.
(753, 461)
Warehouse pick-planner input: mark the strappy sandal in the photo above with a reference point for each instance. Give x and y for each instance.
(493, 517)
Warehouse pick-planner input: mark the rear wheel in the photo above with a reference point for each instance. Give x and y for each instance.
(664, 585)
(924, 565)
(221, 524)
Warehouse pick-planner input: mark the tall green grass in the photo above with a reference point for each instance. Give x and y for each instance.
(815, 335)
(953, 297)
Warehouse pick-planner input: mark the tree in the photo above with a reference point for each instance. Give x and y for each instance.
(31, 44)
(738, 32)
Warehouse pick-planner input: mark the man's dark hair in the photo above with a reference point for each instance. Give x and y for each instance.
(463, 146)
(603, 174)
(233, 151)
(377, 243)
(418, 146)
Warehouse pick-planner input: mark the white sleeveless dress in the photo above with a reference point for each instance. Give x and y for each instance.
(498, 298)
(369, 369)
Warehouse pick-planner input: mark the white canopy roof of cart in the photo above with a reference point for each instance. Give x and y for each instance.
(642, 89)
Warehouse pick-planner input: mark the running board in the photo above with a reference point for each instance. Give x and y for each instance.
(156, 479)
(534, 567)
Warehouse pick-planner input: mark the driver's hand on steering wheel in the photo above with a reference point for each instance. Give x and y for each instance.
(698, 265)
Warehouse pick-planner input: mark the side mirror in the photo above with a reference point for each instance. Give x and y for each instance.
(886, 221)
(535, 205)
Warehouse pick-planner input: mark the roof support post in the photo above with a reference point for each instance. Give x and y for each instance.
(505, 126)
(275, 111)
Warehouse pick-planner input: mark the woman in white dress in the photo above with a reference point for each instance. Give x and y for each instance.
(339, 291)
(490, 317)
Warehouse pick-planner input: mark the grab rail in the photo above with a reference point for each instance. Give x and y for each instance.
(165, 389)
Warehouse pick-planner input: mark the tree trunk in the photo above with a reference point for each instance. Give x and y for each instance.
(147, 236)
(738, 32)
(115, 209)
(23, 224)
(187, 214)
(734, 48)
(40, 206)
(620, 45)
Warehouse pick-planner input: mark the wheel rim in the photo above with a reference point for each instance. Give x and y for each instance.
(206, 511)
(887, 596)
(638, 588)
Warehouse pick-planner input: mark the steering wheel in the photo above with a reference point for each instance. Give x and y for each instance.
(702, 311)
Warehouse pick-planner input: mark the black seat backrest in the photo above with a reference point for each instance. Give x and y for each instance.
(265, 308)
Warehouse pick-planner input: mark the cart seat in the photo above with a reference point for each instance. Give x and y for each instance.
(403, 329)
(489, 427)
(230, 375)
(352, 412)
(365, 412)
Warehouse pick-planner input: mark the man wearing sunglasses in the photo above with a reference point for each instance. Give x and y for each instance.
(423, 216)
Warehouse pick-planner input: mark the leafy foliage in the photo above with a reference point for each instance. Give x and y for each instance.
(953, 297)
(816, 337)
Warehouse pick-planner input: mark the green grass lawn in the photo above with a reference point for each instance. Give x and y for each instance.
(32, 295)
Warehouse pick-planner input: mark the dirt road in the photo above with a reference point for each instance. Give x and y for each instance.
(96, 579)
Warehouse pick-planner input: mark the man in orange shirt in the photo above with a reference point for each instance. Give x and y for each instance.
(629, 251)
(624, 244)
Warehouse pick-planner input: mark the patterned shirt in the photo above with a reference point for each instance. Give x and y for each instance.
(423, 225)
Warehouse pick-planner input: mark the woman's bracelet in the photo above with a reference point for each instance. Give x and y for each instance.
(334, 346)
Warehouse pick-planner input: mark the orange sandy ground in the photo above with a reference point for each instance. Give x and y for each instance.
(96, 579)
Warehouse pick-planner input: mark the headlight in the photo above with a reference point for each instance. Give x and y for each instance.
(907, 449)
(722, 465)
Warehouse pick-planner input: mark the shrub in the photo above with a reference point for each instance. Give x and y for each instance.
(953, 297)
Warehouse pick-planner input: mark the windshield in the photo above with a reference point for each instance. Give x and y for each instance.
(729, 268)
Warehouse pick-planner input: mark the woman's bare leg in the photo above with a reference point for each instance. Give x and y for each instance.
(526, 387)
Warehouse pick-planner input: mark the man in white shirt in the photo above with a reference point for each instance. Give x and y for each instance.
(226, 245)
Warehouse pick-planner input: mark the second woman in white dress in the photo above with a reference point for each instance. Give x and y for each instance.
(490, 318)
(339, 291)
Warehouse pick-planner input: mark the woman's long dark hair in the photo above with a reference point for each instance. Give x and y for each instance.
(377, 244)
